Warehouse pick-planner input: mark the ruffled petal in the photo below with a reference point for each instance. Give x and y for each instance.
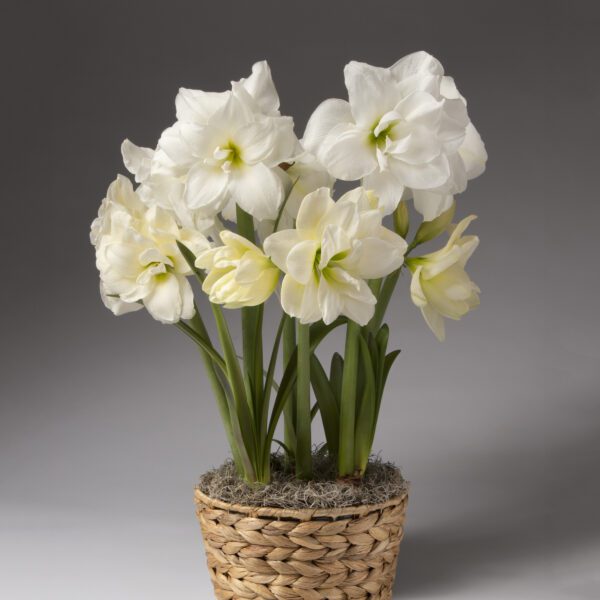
(348, 153)
(257, 189)
(206, 188)
(279, 245)
(371, 92)
(261, 87)
(326, 116)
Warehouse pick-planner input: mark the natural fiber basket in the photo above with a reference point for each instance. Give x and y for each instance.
(305, 554)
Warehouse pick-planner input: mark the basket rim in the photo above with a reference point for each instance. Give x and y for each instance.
(300, 514)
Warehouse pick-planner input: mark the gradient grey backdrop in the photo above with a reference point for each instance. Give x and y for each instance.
(106, 423)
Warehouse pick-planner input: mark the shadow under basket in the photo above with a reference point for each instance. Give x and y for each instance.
(305, 554)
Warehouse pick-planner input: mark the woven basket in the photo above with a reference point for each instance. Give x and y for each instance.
(283, 554)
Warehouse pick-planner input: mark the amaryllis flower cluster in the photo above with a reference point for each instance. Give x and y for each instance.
(231, 196)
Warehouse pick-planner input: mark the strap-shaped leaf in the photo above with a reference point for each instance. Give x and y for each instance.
(326, 402)
(335, 376)
(368, 406)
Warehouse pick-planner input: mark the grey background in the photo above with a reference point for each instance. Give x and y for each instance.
(106, 423)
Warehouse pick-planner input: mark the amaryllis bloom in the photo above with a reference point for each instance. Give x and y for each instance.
(328, 258)
(161, 187)
(402, 127)
(226, 148)
(440, 286)
(239, 274)
(138, 258)
(469, 162)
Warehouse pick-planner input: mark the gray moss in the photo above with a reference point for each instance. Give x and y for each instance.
(382, 481)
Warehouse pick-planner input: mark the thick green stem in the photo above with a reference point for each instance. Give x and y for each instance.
(243, 421)
(303, 418)
(348, 402)
(252, 334)
(385, 295)
(289, 410)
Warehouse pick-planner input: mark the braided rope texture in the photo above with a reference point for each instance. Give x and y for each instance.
(257, 553)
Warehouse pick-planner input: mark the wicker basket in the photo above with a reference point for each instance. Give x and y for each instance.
(305, 554)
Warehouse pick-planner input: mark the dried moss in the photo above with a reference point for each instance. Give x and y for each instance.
(382, 481)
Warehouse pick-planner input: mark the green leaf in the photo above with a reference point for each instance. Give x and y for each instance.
(206, 346)
(288, 451)
(431, 229)
(190, 259)
(319, 330)
(303, 418)
(367, 411)
(389, 361)
(327, 404)
(335, 376)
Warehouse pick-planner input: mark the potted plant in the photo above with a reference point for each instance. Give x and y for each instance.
(231, 198)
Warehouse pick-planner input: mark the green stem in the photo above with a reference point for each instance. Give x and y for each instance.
(348, 402)
(303, 419)
(236, 380)
(385, 295)
(252, 333)
(289, 410)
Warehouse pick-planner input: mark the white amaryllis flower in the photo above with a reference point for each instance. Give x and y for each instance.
(138, 258)
(468, 163)
(239, 274)
(440, 287)
(227, 146)
(328, 258)
(401, 128)
(163, 187)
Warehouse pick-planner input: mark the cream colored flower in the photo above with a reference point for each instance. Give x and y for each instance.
(328, 258)
(440, 286)
(138, 258)
(239, 274)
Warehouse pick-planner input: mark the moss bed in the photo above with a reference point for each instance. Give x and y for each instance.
(382, 481)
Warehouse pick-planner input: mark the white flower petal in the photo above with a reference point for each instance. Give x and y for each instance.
(313, 209)
(347, 152)
(431, 204)
(375, 258)
(416, 63)
(330, 301)
(300, 263)
(261, 87)
(417, 294)
(426, 176)
(117, 306)
(435, 322)
(279, 244)
(371, 92)
(137, 160)
(387, 187)
(473, 153)
(257, 189)
(300, 301)
(174, 142)
(165, 302)
(334, 242)
(326, 116)
(206, 188)
(421, 108)
(196, 106)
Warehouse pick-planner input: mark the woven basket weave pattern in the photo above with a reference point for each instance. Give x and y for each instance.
(282, 554)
